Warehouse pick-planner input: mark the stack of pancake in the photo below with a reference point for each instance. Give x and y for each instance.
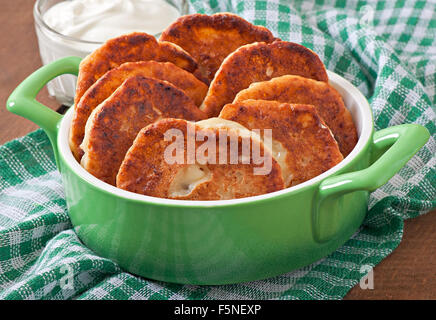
(207, 77)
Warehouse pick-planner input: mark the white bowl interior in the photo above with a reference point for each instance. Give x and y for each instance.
(353, 99)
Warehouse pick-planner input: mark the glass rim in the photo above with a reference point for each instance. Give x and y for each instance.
(40, 21)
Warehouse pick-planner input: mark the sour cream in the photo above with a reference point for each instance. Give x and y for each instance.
(100, 20)
(88, 23)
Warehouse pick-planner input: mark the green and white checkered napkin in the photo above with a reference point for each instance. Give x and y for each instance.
(386, 48)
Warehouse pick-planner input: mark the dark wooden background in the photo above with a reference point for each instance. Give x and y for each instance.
(408, 273)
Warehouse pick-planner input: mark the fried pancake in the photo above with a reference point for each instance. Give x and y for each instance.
(301, 143)
(259, 62)
(106, 85)
(327, 101)
(146, 169)
(210, 39)
(114, 124)
(131, 47)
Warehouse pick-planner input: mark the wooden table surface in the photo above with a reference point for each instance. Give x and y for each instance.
(408, 273)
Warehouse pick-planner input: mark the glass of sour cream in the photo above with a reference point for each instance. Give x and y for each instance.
(77, 27)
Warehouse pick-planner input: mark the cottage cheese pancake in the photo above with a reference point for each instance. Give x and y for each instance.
(114, 124)
(210, 39)
(302, 144)
(259, 62)
(327, 101)
(145, 169)
(132, 47)
(107, 84)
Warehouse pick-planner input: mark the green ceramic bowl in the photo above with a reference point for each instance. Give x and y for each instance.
(226, 241)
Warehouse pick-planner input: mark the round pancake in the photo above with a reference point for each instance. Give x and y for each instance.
(301, 142)
(114, 124)
(209, 39)
(327, 101)
(106, 85)
(131, 47)
(145, 168)
(259, 62)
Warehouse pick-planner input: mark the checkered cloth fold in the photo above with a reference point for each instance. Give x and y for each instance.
(385, 48)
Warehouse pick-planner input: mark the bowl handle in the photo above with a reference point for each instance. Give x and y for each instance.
(396, 145)
(23, 102)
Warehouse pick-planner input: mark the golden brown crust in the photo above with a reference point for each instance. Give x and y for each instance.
(327, 101)
(259, 62)
(114, 124)
(144, 169)
(131, 47)
(106, 85)
(305, 146)
(209, 39)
